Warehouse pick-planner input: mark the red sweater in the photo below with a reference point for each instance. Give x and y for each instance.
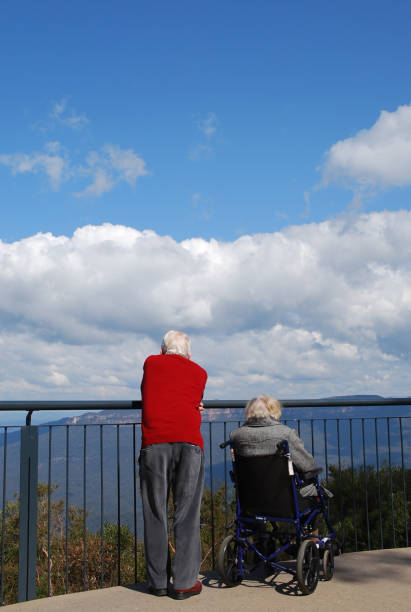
(171, 390)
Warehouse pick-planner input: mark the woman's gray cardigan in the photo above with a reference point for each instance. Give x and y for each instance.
(261, 436)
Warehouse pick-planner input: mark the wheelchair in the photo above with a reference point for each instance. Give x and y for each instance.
(269, 521)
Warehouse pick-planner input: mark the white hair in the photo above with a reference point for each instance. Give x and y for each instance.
(263, 406)
(176, 343)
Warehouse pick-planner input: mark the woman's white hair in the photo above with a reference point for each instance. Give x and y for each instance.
(176, 343)
(263, 406)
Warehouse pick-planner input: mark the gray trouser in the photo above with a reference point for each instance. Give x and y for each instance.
(177, 466)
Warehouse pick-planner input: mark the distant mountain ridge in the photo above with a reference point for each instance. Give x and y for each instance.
(214, 414)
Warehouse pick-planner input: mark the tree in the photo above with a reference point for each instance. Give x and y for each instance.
(217, 513)
(84, 561)
(370, 507)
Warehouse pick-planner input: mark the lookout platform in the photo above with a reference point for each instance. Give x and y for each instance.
(373, 580)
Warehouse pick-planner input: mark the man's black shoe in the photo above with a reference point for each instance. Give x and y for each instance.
(185, 593)
(157, 592)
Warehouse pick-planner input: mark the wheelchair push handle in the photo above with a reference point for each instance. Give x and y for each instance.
(283, 448)
(226, 443)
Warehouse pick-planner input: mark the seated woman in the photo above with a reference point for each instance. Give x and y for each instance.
(260, 435)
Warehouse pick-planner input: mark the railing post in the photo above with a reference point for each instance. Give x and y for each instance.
(28, 512)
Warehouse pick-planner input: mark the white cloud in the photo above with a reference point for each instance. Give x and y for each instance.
(203, 206)
(50, 163)
(208, 125)
(58, 379)
(102, 183)
(110, 166)
(200, 151)
(107, 167)
(375, 157)
(127, 163)
(313, 310)
(68, 117)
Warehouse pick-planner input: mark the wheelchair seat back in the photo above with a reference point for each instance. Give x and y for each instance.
(264, 486)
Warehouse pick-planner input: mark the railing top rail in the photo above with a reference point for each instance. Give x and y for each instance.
(209, 404)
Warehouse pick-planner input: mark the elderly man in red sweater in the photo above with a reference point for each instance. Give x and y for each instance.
(172, 458)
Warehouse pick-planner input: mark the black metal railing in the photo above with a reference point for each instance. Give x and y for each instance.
(71, 509)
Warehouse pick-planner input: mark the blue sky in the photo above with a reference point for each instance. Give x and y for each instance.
(231, 105)
(241, 170)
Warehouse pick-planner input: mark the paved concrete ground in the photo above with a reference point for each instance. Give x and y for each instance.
(376, 581)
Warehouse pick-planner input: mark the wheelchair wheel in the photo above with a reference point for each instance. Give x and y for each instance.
(328, 563)
(227, 562)
(308, 567)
